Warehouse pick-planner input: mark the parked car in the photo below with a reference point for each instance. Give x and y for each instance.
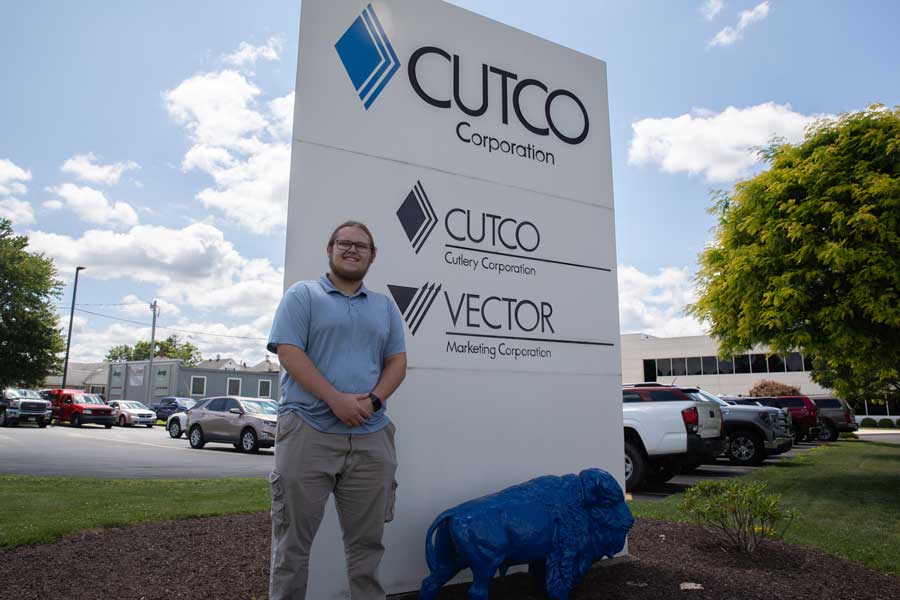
(754, 431)
(835, 415)
(19, 405)
(804, 415)
(170, 405)
(246, 423)
(176, 424)
(130, 412)
(740, 400)
(77, 407)
(666, 429)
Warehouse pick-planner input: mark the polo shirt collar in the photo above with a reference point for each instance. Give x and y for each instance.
(329, 287)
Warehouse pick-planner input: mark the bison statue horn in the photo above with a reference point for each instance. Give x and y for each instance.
(558, 526)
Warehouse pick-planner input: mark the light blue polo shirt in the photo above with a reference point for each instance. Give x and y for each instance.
(346, 337)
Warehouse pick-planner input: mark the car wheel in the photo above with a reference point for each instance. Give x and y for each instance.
(121, 420)
(249, 441)
(149, 425)
(635, 467)
(746, 448)
(43, 424)
(174, 429)
(75, 421)
(662, 471)
(829, 433)
(108, 425)
(798, 435)
(195, 437)
(3, 419)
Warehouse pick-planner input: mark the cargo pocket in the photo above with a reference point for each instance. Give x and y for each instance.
(391, 500)
(276, 488)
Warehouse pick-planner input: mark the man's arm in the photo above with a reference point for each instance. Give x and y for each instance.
(392, 376)
(346, 407)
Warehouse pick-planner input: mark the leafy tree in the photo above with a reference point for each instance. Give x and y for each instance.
(807, 254)
(171, 347)
(767, 387)
(30, 340)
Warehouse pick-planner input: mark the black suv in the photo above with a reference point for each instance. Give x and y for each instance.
(835, 416)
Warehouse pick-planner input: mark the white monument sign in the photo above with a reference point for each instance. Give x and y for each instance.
(479, 155)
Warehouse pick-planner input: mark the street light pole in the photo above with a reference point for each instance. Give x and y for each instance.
(71, 318)
(149, 376)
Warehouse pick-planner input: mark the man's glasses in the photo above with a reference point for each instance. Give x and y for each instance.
(361, 247)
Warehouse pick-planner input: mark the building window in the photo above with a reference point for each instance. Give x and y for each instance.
(726, 365)
(265, 388)
(710, 365)
(650, 370)
(233, 386)
(742, 363)
(664, 367)
(794, 362)
(678, 367)
(694, 366)
(758, 363)
(776, 363)
(198, 385)
(808, 360)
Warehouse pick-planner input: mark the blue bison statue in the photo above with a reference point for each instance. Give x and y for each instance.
(558, 526)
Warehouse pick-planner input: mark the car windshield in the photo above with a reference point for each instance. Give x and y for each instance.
(703, 395)
(86, 399)
(259, 406)
(188, 404)
(135, 405)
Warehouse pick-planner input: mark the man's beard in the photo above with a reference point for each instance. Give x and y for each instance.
(347, 275)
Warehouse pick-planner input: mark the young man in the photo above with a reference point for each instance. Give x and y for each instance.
(342, 355)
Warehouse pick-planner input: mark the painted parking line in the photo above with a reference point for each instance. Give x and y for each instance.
(117, 440)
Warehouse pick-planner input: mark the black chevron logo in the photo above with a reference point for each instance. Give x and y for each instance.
(417, 216)
(414, 303)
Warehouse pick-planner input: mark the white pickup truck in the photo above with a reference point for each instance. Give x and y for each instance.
(664, 429)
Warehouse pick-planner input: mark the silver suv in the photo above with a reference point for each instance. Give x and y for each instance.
(246, 423)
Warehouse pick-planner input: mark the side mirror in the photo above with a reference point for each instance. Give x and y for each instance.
(236, 411)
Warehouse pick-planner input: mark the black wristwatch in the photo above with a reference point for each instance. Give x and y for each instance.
(376, 402)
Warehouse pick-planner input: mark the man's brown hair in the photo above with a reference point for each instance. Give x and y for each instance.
(356, 224)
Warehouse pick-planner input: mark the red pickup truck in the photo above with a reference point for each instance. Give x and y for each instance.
(78, 407)
(804, 414)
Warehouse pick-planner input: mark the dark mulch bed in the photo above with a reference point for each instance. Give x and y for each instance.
(227, 557)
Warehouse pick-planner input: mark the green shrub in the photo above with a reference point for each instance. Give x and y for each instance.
(887, 423)
(742, 513)
(868, 422)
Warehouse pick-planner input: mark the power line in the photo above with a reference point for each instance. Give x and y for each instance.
(239, 337)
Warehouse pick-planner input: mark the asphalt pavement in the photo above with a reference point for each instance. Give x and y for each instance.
(129, 452)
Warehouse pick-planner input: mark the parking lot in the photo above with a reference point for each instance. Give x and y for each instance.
(134, 453)
(141, 453)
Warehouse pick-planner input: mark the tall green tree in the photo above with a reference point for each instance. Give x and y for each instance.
(807, 255)
(30, 339)
(170, 347)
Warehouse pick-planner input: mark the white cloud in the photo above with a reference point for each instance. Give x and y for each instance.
(730, 35)
(12, 184)
(91, 205)
(655, 304)
(136, 307)
(243, 147)
(85, 168)
(711, 8)
(247, 54)
(194, 266)
(722, 145)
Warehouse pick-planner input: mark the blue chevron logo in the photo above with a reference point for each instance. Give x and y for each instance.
(368, 56)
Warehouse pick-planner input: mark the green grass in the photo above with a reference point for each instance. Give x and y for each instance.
(846, 497)
(38, 510)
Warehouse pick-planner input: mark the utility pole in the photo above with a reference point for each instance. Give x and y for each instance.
(151, 380)
(71, 318)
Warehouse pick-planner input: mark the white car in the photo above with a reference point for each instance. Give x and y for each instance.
(176, 424)
(131, 412)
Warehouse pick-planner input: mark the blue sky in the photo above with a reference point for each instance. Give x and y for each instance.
(149, 141)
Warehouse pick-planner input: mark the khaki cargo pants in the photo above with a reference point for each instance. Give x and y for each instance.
(310, 465)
